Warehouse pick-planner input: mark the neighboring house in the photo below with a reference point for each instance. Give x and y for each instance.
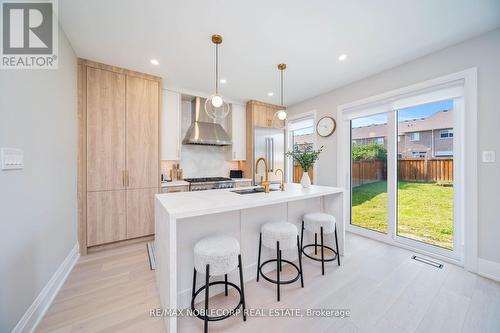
(430, 137)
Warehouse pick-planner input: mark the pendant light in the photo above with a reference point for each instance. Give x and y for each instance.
(215, 107)
(281, 114)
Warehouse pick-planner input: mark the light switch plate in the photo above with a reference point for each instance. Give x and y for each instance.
(488, 156)
(12, 159)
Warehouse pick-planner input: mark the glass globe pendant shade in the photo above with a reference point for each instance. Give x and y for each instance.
(281, 115)
(216, 108)
(217, 101)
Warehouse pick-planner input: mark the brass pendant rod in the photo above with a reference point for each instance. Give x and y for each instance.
(217, 69)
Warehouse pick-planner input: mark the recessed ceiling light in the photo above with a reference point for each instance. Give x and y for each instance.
(223, 81)
(342, 57)
(270, 94)
(154, 62)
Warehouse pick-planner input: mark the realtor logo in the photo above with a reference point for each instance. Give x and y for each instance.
(29, 34)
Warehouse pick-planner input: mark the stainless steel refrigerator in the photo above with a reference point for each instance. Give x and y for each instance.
(270, 144)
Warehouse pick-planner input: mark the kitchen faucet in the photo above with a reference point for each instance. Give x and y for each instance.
(282, 184)
(264, 183)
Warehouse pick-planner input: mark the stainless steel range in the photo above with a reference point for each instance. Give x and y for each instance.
(210, 183)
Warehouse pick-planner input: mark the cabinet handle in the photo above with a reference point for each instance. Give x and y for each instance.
(128, 179)
(123, 178)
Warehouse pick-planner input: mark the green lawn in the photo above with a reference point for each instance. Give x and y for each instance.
(425, 210)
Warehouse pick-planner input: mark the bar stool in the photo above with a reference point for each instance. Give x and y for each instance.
(324, 224)
(215, 256)
(279, 236)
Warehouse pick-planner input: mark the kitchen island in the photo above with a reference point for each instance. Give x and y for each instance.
(181, 219)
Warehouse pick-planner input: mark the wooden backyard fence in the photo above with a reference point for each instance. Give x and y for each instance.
(416, 170)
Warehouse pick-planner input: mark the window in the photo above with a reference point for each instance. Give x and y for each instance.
(418, 154)
(415, 136)
(446, 133)
(379, 141)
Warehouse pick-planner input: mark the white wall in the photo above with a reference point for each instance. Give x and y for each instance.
(38, 207)
(482, 52)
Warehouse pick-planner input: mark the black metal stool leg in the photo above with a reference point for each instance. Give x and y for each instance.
(242, 288)
(258, 259)
(315, 243)
(281, 264)
(207, 295)
(194, 282)
(300, 262)
(322, 254)
(337, 246)
(225, 286)
(302, 235)
(278, 264)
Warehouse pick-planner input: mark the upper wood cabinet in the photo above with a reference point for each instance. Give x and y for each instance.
(142, 133)
(118, 153)
(105, 100)
(238, 131)
(171, 126)
(261, 114)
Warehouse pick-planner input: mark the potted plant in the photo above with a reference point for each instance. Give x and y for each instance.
(306, 158)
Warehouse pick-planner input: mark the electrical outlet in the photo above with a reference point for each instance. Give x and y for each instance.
(488, 156)
(12, 159)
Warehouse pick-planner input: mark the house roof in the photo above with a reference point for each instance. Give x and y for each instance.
(439, 120)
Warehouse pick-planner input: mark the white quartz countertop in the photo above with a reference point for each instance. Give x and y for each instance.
(188, 204)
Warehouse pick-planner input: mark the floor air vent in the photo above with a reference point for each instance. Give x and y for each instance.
(427, 261)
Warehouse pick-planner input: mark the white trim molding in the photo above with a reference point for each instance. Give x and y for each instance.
(488, 269)
(42, 302)
(461, 86)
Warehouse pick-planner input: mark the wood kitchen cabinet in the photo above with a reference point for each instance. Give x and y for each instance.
(105, 130)
(142, 132)
(118, 158)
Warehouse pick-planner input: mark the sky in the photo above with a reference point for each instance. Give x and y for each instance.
(415, 112)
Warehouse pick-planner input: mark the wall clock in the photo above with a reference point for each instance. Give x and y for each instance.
(326, 126)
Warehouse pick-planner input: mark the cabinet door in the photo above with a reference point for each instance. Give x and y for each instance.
(105, 130)
(171, 126)
(106, 220)
(260, 116)
(274, 123)
(238, 132)
(142, 133)
(140, 212)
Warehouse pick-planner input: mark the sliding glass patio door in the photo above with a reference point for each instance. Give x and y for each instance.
(402, 176)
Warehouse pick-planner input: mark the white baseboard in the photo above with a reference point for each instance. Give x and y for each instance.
(489, 269)
(41, 304)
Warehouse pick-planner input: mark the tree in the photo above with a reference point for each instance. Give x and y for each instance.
(369, 152)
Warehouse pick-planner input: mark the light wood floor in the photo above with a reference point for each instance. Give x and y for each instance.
(382, 287)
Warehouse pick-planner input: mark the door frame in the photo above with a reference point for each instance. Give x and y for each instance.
(466, 193)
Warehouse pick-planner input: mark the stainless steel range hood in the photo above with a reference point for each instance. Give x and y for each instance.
(203, 130)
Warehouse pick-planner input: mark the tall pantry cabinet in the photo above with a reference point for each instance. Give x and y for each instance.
(118, 162)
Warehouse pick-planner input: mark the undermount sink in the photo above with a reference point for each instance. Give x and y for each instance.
(253, 190)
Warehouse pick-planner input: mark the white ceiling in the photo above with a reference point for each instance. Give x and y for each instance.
(308, 35)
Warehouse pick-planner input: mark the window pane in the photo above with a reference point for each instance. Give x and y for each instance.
(369, 172)
(425, 174)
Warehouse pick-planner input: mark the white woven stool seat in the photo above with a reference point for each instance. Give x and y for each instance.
(220, 252)
(314, 221)
(284, 232)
